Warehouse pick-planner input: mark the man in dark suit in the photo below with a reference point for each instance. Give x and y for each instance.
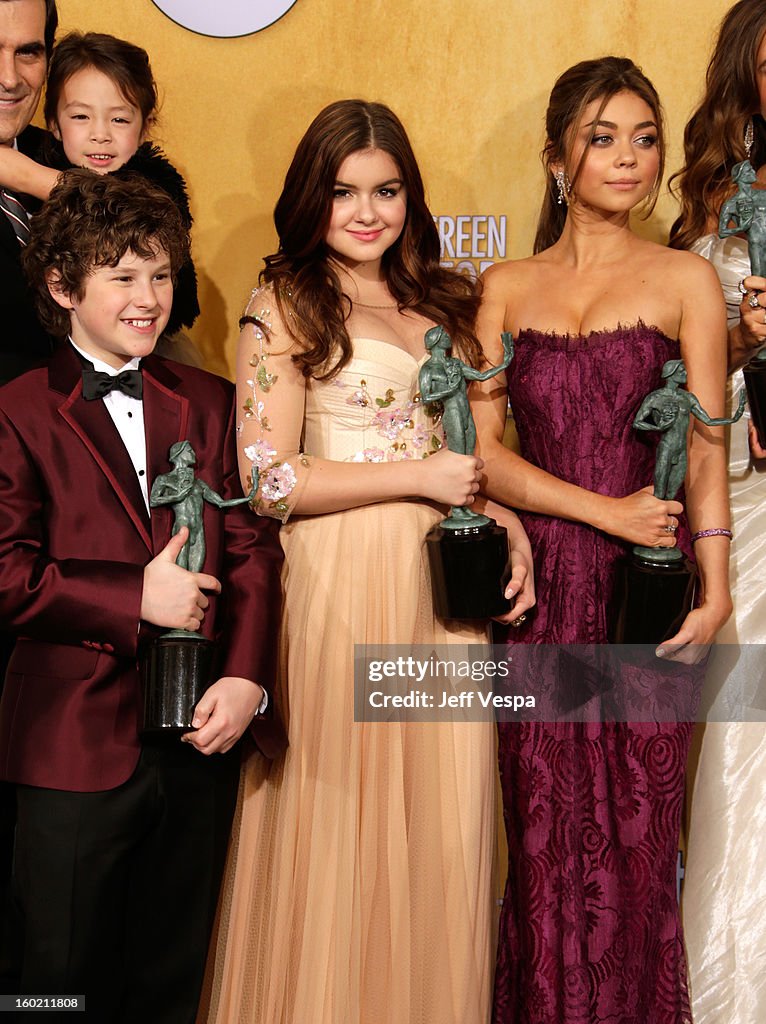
(121, 841)
(27, 30)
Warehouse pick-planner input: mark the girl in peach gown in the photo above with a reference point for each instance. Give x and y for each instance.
(360, 880)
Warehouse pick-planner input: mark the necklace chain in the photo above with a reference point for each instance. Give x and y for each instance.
(370, 305)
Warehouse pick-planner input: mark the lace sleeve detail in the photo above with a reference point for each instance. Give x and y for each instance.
(271, 392)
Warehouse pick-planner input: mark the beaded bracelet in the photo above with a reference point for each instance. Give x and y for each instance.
(718, 532)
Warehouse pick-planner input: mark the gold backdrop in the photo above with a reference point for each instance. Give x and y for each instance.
(469, 80)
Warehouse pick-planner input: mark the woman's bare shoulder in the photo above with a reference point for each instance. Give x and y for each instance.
(676, 263)
(507, 277)
(689, 265)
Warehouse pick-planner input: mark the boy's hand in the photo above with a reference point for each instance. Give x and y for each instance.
(173, 597)
(222, 715)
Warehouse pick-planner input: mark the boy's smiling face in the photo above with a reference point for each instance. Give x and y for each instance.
(123, 309)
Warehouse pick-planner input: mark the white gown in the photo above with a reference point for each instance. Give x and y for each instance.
(725, 888)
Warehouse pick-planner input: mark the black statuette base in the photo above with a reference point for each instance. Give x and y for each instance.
(755, 385)
(470, 570)
(651, 599)
(175, 672)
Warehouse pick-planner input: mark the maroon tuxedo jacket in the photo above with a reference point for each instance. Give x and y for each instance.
(74, 539)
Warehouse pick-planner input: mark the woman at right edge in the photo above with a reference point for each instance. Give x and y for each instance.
(724, 900)
(590, 930)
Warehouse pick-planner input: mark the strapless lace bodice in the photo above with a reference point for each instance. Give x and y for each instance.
(574, 398)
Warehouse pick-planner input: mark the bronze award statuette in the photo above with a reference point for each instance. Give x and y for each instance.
(178, 666)
(745, 213)
(467, 552)
(654, 588)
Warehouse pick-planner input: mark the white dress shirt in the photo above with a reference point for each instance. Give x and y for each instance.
(128, 416)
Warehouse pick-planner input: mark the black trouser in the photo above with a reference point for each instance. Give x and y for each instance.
(8, 982)
(117, 891)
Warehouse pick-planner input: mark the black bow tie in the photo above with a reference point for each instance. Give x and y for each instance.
(96, 384)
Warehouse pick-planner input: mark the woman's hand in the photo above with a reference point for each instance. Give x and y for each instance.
(756, 449)
(753, 318)
(641, 518)
(522, 582)
(450, 478)
(521, 585)
(692, 641)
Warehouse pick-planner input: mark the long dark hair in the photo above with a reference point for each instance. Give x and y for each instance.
(581, 85)
(714, 138)
(307, 289)
(124, 63)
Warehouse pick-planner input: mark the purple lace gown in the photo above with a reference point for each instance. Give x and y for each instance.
(590, 930)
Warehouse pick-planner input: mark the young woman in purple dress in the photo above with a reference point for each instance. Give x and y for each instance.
(590, 929)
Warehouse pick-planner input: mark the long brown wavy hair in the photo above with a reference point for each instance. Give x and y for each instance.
(714, 138)
(579, 86)
(307, 288)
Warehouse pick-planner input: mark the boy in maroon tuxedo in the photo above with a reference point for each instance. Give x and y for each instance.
(120, 843)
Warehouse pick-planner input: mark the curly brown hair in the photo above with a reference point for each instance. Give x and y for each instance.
(91, 220)
(308, 290)
(714, 138)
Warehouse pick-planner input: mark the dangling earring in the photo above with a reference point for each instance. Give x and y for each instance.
(749, 137)
(563, 186)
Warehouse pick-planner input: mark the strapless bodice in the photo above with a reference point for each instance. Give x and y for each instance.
(370, 411)
(574, 398)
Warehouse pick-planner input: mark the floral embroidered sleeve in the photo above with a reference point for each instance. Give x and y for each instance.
(271, 393)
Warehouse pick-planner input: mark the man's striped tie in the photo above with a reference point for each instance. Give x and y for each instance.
(16, 214)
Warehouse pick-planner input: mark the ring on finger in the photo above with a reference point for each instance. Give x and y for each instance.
(519, 622)
(753, 300)
(671, 528)
(741, 286)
